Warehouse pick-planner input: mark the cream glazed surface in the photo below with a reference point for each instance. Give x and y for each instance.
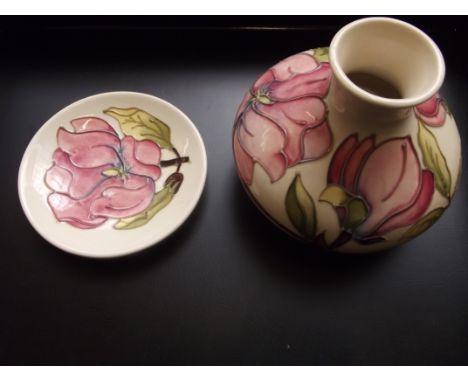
(336, 164)
(112, 174)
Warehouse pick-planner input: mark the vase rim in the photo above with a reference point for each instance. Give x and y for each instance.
(423, 95)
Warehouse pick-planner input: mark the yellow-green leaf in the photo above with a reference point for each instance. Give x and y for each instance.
(335, 195)
(356, 213)
(434, 160)
(263, 98)
(111, 172)
(301, 209)
(423, 224)
(160, 200)
(141, 125)
(321, 54)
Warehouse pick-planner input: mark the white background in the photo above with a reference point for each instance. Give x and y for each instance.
(210, 7)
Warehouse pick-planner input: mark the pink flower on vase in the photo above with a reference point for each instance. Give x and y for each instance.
(432, 112)
(389, 180)
(96, 175)
(282, 119)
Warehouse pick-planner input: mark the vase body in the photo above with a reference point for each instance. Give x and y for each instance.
(351, 149)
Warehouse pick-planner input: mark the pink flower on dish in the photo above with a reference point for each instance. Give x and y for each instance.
(396, 192)
(96, 175)
(432, 112)
(282, 119)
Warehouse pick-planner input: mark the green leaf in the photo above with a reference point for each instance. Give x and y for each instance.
(301, 208)
(434, 160)
(356, 208)
(160, 200)
(321, 54)
(356, 213)
(140, 125)
(335, 195)
(423, 224)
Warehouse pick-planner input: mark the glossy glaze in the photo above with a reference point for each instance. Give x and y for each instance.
(342, 167)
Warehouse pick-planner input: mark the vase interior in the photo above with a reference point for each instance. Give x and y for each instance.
(390, 52)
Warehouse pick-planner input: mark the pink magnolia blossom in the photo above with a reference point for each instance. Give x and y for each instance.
(387, 178)
(432, 112)
(282, 119)
(96, 175)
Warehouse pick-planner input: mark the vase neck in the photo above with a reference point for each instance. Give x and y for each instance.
(361, 111)
(382, 68)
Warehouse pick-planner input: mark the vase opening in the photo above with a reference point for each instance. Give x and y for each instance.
(387, 62)
(374, 85)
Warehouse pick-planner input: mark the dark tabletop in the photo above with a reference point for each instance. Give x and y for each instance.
(228, 287)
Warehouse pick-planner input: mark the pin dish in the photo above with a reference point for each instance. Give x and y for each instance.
(112, 174)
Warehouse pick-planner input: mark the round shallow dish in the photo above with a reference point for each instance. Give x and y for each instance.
(112, 174)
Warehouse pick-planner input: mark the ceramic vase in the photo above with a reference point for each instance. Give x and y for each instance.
(351, 147)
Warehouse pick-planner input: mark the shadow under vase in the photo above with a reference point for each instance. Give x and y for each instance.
(283, 254)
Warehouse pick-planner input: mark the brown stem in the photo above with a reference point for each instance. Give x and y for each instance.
(172, 162)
